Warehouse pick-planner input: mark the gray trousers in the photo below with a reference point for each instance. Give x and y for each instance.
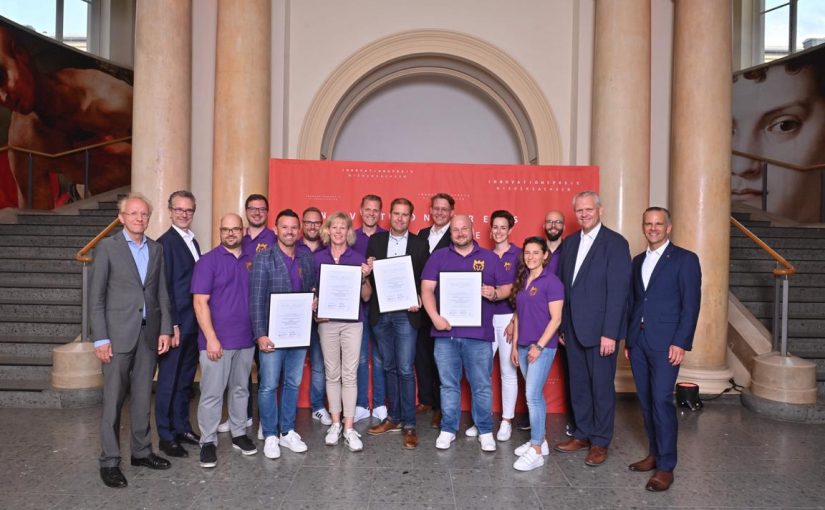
(230, 373)
(132, 373)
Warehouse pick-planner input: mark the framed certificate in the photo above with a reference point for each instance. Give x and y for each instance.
(459, 297)
(290, 319)
(339, 292)
(395, 283)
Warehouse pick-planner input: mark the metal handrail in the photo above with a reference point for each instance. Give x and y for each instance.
(781, 273)
(83, 258)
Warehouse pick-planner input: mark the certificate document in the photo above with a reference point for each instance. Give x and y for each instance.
(395, 283)
(459, 297)
(290, 319)
(339, 292)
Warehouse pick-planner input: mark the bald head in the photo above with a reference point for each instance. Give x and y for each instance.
(461, 231)
(231, 231)
(554, 225)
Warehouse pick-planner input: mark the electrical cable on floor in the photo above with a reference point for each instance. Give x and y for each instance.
(733, 386)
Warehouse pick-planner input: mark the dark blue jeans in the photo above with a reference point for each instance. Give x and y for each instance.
(475, 357)
(378, 391)
(317, 381)
(396, 339)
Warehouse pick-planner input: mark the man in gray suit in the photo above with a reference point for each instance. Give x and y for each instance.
(131, 325)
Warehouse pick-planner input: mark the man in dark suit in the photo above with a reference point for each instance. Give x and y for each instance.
(664, 308)
(595, 270)
(131, 326)
(176, 368)
(395, 332)
(442, 209)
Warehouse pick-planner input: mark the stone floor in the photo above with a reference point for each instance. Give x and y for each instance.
(730, 458)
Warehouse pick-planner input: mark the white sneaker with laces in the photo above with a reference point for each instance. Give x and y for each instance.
(380, 413)
(361, 413)
(545, 450)
(333, 434)
(444, 440)
(323, 416)
(505, 430)
(226, 427)
(260, 432)
(353, 440)
(293, 442)
(471, 432)
(488, 444)
(271, 448)
(529, 461)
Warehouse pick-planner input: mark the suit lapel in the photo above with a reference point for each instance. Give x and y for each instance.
(197, 246)
(590, 253)
(126, 252)
(664, 259)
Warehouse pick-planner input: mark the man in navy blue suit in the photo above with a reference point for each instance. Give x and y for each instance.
(595, 270)
(664, 308)
(176, 368)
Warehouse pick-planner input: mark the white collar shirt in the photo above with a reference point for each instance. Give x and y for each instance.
(584, 247)
(649, 264)
(436, 235)
(188, 238)
(397, 245)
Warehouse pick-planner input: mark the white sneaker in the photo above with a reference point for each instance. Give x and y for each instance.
(353, 440)
(488, 444)
(225, 427)
(545, 450)
(293, 442)
(323, 416)
(271, 448)
(471, 432)
(380, 413)
(361, 413)
(504, 431)
(260, 432)
(333, 434)
(529, 461)
(444, 440)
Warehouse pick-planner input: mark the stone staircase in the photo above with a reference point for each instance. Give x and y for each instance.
(40, 296)
(752, 282)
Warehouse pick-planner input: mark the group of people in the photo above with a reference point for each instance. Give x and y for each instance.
(166, 304)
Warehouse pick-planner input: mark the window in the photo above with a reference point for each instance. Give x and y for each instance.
(64, 20)
(789, 26)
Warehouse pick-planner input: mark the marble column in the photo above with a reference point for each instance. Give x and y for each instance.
(620, 139)
(700, 173)
(242, 106)
(162, 89)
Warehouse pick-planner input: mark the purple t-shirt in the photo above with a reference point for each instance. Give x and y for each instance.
(533, 310)
(226, 280)
(492, 273)
(302, 245)
(350, 257)
(264, 240)
(362, 239)
(553, 265)
(294, 268)
(511, 260)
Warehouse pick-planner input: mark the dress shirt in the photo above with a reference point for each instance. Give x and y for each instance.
(436, 234)
(584, 247)
(651, 259)
(188, 238)
(397, 245)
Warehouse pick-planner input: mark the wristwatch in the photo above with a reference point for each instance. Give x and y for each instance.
(537, 346)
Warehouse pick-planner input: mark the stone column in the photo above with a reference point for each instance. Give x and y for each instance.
(620, 143)
(242, 101)
(700, 173)
(162, 106)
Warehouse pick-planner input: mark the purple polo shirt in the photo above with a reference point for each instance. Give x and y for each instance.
(362, 239)
(533, 310)
(350, 257)
(301, 245)
(226, 280)
(294, 268)
(492, 273)
(264, 240)
(511, 260)
(553, 265)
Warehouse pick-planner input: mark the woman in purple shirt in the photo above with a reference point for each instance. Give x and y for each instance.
(341, 339)
(538, 296)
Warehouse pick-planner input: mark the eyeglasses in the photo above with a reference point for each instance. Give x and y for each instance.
(257, 209)
(232, 230)
(313, 223)
(136, 214)
(180, 210)
(558, 223)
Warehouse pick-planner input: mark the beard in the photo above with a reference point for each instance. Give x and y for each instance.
(231, 246)
(553, 237)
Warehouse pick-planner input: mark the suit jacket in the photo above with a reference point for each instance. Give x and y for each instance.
(596, 304)
(418, 248)
(445, 240)
(117, 296)
(179, 264)
(670, 304)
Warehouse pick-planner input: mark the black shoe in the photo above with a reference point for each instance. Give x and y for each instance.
(568, 430)
(113, 477)
(190, 438)
(209, 457)
(244, 444)
(151, 461)
(172, 448)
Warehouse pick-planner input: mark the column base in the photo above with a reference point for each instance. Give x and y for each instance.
(786, 379)
(710, 381)
(75, 366)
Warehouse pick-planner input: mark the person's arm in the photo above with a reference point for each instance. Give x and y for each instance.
(366, 288)
(203, 314)
(428, 299)
(514, 341)
(97, 303)
(169, 260)
(618, 284)
(259, 299)
(552, 326)
(164, 340)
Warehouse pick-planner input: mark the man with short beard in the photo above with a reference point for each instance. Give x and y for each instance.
(554, 230)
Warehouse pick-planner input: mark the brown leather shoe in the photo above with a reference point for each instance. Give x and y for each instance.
(572, 445)
(646, 464)
(436, 421)
(410, 439)
(660, 481)
(423, 408)
(596, 456)
(384, 426)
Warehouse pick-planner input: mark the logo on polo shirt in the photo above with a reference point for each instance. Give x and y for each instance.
(508, 265)
(261, 247)
(478, 265)
(534, 291)
(248, 266)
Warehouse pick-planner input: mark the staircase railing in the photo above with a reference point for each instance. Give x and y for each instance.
(83, 257)
(781, 273)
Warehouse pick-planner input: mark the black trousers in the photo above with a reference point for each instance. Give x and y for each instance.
(429, 385)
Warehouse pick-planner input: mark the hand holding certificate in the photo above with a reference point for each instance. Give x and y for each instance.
(290, 319)
(459, 296)
(395, 284)
(339, 292)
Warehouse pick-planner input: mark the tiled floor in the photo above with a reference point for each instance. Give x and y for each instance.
(730, 458)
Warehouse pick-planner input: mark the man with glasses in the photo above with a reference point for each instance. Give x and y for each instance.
(554, 230)
(176, 368)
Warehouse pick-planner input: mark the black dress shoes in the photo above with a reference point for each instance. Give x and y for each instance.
(190, 438)
(113, 477)
(172, 448)
(151, 461)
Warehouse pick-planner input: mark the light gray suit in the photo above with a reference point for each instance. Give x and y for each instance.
(117, 297)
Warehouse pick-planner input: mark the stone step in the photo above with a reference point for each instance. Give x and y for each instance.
(27, 349)
(38, 253)
(87, 231)
(766, 231)
(43, 296)
(802, 328)
(25, 384)
(108, 205)
(807, 347)
(41, 280)
(39, 266)
(766, 294)
(25, 372)
(780, 244)
(62, 219)
(33, 397)
(108, 213)
(46, 330)
(53, 341)
(792, 255)
(18, 312)
(74, 242)
(803, 267)
(25, 361)
(764, 310)
(767, 280)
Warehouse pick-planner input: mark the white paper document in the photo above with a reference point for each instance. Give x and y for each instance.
(459, 298)
(395, 283)
(290, 319)
(339, 292)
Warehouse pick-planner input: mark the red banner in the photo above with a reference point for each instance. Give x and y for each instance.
(527, 191)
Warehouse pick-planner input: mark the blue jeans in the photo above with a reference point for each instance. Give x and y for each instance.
(476, 358)
(396, 342)
(367, 342)
(317, 381)
(535, 375)
(290, 362)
